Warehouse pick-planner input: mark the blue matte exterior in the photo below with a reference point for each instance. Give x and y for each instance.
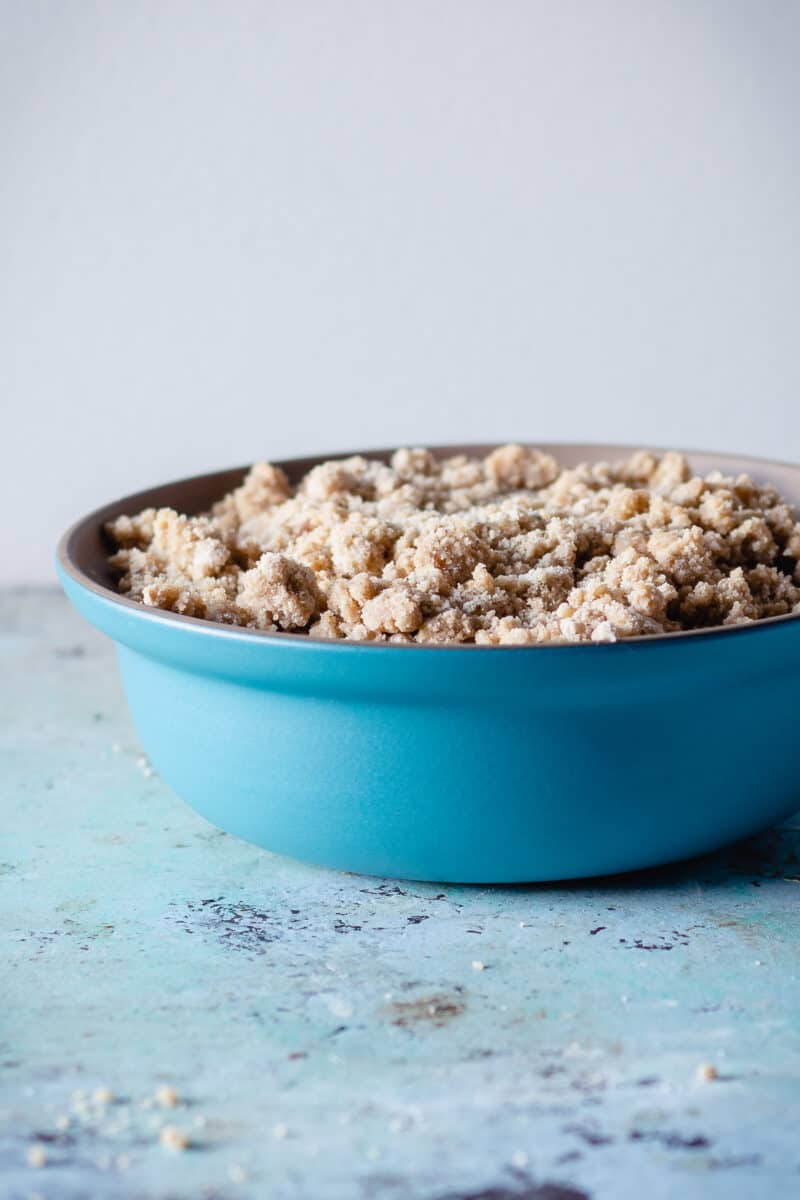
(466, 764)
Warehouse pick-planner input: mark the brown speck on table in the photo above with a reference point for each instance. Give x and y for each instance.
(166, 1096)
(172, 1138)
(436, 1010)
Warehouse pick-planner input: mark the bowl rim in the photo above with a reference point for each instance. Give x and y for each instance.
(203, 626)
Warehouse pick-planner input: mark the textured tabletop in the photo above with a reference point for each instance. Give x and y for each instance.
(184, 1016)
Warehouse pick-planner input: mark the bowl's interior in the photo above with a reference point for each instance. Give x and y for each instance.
(84, 551)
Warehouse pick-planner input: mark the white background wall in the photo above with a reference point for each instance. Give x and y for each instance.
(231, 230)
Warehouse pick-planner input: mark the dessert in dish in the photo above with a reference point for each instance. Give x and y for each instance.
(506, 549)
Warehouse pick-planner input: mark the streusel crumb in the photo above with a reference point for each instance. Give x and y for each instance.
(510, 550)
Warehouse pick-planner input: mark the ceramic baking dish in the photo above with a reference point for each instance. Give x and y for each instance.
(459, 763)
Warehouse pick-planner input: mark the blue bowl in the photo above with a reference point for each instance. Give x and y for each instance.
(463, 764)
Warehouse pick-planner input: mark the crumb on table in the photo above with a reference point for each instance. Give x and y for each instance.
(36, 1157)
(707, 1072)
(172, 1138)
(166, 1096)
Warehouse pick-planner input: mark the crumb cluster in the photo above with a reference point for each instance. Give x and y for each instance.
(510, 549)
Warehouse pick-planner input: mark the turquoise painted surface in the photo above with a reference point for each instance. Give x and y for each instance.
(328, 1035)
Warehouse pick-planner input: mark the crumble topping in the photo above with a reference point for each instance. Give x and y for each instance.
(511, 549)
